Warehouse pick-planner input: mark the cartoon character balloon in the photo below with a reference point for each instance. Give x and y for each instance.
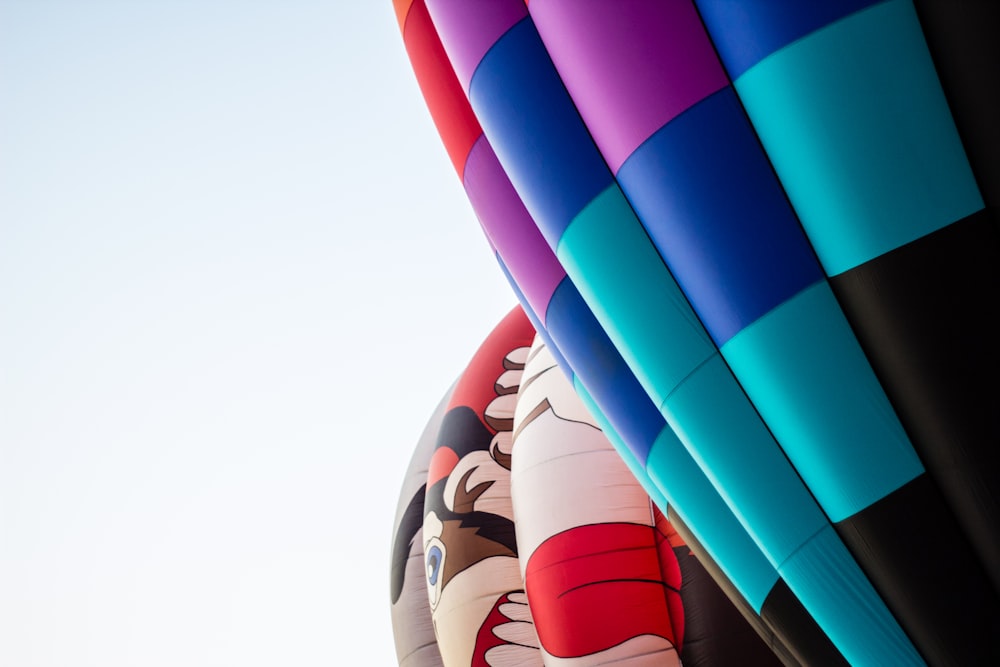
(539, 545)
(474, 585)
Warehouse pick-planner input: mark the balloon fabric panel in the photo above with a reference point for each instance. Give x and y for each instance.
(504, 60)
(556, 169)
(925, 314)
(633, 296)
(849, 501)
(708, 197)
(456, 123)
(622, 98)
(772, 575)
(962, 40)
(510, 228)
(705, 192)
(474, 27)
(754, 30)
(893, 211)
(847, 463)
(893, 168)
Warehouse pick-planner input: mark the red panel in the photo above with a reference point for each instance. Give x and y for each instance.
(444, 96)
(594, 587)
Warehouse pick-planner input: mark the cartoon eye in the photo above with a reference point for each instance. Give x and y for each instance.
(434, 558)
(435, 555)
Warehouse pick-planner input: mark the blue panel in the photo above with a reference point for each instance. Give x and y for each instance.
(834, 590)
(610, 259)
(746, 32)
(858, 130)
(536, 131)
(715, 421)
(703, 511)
(806, 374)
(600, 367)
(708, 197)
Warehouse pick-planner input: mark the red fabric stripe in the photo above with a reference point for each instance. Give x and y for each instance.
(593, 587)
(442, 92)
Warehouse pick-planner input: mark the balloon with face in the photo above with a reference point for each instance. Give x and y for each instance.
(474, 586)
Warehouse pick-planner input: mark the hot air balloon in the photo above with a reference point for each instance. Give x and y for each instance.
(763, 218)
(596, 575)
(544, 287)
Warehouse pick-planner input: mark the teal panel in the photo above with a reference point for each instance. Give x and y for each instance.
(726, 437)
(855, 123)
(607, 254)
(838, 595)
(806, 374)
(713, 524)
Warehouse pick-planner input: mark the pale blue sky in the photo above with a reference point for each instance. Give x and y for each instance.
(237, 273)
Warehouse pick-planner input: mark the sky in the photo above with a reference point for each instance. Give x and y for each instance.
(237, 274)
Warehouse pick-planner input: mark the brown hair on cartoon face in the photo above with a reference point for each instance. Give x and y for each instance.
(453, 546)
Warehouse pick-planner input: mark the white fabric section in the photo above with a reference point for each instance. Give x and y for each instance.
(517, 632)
(509, 380)
(565, 473)
(513, 655)
(516, 611)
(501, 407)
(466, 602)
(552, 383)
(518, 598)
(519, 356)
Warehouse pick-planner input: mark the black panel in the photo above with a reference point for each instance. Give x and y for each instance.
(783, 612)
(964, 39)
(926, 315)
(931, 580)
(715, 631)
(776, 643)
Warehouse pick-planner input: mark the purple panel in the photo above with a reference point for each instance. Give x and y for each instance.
(469, 29)
(630, 67)
(510, 228)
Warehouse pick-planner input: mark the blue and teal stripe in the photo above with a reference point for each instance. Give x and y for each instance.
(660, 367)
(854, 119)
